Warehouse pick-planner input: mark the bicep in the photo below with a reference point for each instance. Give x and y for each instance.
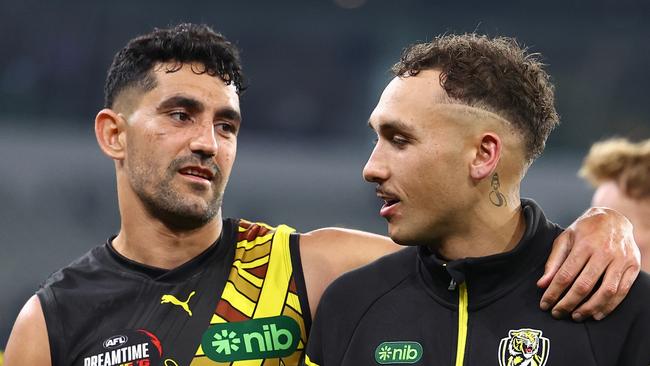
(28, 343)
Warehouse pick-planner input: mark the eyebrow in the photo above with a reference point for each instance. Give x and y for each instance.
(393, 125)
(191, 104)
(194, 106)
(228, 113)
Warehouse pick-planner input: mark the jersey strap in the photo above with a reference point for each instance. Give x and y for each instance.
(261, 285)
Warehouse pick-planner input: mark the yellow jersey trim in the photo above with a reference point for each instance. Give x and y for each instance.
(309, 362)
(462, 324)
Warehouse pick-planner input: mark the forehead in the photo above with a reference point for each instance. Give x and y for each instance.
(610, 194)
(410, 96)
(419, 104)
(191, 81)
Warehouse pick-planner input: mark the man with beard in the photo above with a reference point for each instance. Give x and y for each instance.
(181, 285)
(457, 128)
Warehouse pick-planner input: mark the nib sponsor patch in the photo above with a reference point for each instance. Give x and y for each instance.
(128, 348)
(398, 352)
(262, 338)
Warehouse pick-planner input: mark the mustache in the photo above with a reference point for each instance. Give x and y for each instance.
(383, 192)
(206, 163)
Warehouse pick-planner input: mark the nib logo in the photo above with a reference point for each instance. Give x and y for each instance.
(398, 352)
(226, 342)
(252, 339)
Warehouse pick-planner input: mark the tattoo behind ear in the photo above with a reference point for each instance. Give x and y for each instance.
(497, 198)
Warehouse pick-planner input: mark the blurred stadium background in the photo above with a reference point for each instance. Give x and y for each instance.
(315, 69)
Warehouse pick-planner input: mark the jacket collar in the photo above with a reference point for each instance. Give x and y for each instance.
(489, 278)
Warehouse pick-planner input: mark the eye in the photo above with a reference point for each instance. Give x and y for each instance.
(399, 141)
(180, 116)
(226, 128)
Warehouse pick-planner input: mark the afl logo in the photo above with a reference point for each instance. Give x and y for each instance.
(115, 341)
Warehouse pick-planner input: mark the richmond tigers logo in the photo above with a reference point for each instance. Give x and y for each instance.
(524, 347)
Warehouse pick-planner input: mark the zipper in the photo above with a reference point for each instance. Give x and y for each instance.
(462, 322)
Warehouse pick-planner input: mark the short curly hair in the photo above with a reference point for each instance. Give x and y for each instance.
(622, 161)
(183, 43)
(495, 74)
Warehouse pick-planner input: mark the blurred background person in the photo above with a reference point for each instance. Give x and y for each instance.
(619, 170)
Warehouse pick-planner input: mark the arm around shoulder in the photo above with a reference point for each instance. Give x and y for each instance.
(328, 253)
(28, 343)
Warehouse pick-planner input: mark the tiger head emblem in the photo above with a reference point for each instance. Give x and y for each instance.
(524, 347)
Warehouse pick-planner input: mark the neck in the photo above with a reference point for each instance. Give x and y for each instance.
(146, 239)
(489, 230)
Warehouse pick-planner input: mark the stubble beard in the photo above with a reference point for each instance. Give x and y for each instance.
(176, 210)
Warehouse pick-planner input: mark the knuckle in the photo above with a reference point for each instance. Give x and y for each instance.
(583, 287)
(609, 251)
(564, 277)
(634, 260)
(610, 289)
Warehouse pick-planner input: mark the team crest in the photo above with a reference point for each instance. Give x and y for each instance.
(524, 347)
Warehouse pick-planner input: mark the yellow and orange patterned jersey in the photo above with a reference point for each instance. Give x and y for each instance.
(263, 284)
(240, 302)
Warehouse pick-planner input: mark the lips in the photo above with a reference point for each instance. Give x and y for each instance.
(197, 171)
(391, 202)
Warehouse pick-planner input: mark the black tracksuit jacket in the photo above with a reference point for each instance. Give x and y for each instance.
(414, 308)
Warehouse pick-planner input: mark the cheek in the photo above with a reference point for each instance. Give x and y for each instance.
(226, 155)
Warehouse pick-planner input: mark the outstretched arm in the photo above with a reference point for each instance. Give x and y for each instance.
(599, 244)
(28, 343)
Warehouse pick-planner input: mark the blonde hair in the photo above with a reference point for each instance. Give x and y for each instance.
(619, 160)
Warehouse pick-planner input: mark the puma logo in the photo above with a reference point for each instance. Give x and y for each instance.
(174, 301)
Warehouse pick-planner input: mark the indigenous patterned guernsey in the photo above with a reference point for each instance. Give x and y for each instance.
(241, 302)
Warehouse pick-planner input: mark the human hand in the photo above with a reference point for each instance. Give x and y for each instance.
(599, 244)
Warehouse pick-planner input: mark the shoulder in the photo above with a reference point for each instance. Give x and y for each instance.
(633, 312)
(330, 252)
(346, 302)
(361, 287)
(86, 265)
(29, 330)
(630, 322)
(246, 230)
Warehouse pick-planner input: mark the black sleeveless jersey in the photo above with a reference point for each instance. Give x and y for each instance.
(105, 310)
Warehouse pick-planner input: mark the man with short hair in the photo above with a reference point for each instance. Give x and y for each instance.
(619, 170)
(457, 128)
(181, 285)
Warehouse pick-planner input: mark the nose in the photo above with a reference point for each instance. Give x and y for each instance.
(204, 142)
(376, 170)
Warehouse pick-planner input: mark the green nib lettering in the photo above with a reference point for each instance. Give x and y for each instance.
(253, 339)
(398, 352)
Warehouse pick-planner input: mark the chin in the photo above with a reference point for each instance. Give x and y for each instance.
(187, 219)
(410, 235)
(401, 239)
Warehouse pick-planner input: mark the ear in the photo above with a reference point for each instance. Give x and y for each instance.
(110, 131)
(488, 153)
